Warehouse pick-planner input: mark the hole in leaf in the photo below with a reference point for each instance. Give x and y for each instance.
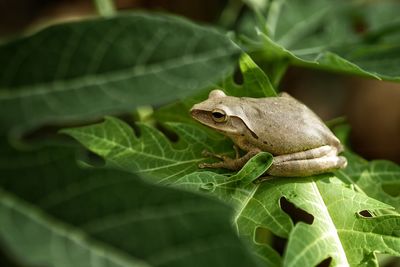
(171, 135)
(279, 243)
(387, 260)
(131, 121)
(391, 189)
(365, 213)
(325, 263)
(262, 235)
(295, 213)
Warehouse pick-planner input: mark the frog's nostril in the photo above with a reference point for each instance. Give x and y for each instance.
(194, 108)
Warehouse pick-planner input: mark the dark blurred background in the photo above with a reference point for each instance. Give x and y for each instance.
(372, 107)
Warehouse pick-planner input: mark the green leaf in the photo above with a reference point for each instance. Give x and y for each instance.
(335, 231)
(324, 35)
(53, 213)
(151, 152)
(253, 168)
(251, 204)
(170, 163)
(82, 70)
(379, 179)
(256, 83)
(338, 231)
(382, 18)
(257, 205)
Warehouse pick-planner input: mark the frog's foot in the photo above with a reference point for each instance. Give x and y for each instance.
(227, 162)
(306, 163)
(208, 154)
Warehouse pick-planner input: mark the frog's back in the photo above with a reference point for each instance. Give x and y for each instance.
(284, 125)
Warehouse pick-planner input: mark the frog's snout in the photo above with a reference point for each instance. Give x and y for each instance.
(193, 111)
(193, 108)
(197, 110)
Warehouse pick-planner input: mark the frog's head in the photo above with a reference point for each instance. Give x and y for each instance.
(222, 113)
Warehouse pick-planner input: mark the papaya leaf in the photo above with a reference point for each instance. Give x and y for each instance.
(54, 213)
(86, 69)
(324, 35)
(253, 168)
(256, 205)
(256, 82)
(333, 232)
(338, 230)
(379, 179)
(151, 152)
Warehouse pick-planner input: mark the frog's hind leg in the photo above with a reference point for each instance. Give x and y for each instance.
(309, 162)
(308, 154)
(307, 167)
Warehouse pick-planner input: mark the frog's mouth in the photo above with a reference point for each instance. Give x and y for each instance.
(203, 117)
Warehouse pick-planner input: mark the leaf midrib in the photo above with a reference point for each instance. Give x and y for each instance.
(333, 233)
(112, 76)
(69, 232)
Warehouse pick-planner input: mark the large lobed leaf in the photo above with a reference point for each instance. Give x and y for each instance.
(82, 70)
(337, 232)
(151, 152)
(344, 36)
(53, 213)
(380, 179)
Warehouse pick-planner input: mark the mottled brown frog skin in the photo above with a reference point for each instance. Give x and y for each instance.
(301, 143)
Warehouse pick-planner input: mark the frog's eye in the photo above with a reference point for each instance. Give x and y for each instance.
(218, 115)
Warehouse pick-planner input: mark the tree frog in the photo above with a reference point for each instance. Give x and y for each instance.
(300, 142)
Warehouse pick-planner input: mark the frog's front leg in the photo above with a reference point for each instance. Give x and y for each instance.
(306, 163)
(229, 163)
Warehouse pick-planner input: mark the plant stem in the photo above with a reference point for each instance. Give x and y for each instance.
(105, 8)
(279, 69)
(230, 13)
